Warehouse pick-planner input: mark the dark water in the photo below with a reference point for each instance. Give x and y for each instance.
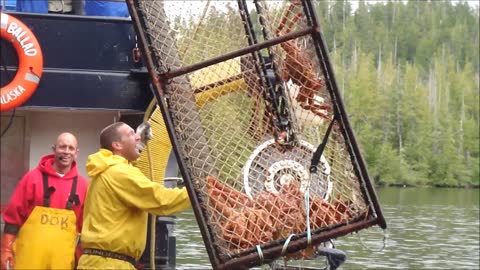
(428, 228)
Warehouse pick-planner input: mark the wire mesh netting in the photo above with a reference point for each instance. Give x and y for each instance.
(258, 126)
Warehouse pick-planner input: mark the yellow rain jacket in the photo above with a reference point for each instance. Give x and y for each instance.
(116, 206)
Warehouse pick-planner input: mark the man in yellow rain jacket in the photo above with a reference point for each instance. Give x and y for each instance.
(117, 202)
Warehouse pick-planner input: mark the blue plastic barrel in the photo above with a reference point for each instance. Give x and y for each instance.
(106, 8)
(34, 6)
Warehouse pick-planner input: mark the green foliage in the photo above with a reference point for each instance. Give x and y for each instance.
(409, 75)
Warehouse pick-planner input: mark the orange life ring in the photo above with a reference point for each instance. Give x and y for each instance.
(30, 63)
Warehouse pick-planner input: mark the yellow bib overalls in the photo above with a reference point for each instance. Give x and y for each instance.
(48, 238)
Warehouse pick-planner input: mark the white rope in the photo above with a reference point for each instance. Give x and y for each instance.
(284, 249)
(260, 253)
(307, 210)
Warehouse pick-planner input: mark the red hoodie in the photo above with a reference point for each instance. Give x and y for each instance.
(29, 192)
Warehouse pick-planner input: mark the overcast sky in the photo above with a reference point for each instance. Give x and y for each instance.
(196, 8)
(473, 3)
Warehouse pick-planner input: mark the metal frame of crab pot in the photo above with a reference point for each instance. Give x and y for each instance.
(272, 250)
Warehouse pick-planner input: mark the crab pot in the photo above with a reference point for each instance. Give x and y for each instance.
(258, 126)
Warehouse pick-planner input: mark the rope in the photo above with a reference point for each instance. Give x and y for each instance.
(284, 249)
(260, 253)
(309, 234)
(307, 210)
(384, 242)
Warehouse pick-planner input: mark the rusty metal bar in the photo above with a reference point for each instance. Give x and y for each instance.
(270, 254)
(231, 55)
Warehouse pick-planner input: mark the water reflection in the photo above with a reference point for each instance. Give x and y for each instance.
(428, 228)
(191, 253)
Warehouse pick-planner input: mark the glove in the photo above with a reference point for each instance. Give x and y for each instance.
(144, 130)
(6, 251)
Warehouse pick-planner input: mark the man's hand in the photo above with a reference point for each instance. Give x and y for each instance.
(6, 251)
(144, 130)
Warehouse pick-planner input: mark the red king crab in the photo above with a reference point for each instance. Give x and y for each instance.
(298, 67)
(269, 216)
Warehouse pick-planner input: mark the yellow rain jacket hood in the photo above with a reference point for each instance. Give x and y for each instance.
(117, 202)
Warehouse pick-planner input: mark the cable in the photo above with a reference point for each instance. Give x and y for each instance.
(9, 124)
(284, 249)
(260, 253)
(307, 209)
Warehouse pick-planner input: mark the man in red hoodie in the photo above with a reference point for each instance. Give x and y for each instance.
(44, 216)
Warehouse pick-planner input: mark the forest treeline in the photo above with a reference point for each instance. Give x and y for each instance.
(409, 75)
(408, 72)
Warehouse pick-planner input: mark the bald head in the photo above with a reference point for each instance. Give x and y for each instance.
(67, 137)
(65, 150)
